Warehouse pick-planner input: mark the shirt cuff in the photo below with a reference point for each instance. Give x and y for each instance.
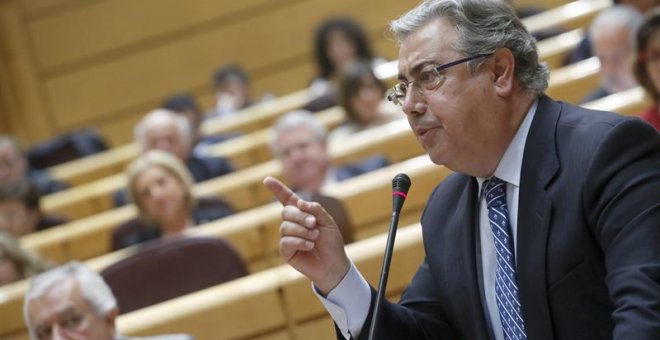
(348, 303)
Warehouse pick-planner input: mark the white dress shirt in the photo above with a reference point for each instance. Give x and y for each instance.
(348, 303)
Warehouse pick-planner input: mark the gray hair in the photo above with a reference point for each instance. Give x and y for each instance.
(182, 124)
(95, 291)
(618, 16)
(13, 142)
(292, 120)
(483, 26)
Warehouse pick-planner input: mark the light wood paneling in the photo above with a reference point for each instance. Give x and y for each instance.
(36, 8)
(108, 25)
(21, 78)
(84, 94)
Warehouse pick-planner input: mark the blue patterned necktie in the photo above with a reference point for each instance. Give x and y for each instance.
(506, 281)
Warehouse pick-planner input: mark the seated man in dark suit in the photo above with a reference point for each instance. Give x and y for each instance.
(184, 104)
(164, 130)
(231, 84)
(14, 166)
(73, 302)
(299, 141)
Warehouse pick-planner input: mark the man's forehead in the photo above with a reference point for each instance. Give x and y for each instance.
(299, 132)
(58, 298)
(7, 148)
(425, 45)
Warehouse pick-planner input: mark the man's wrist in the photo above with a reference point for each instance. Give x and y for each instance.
(334, 276)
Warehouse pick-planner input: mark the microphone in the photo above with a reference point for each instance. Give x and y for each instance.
(400, 185)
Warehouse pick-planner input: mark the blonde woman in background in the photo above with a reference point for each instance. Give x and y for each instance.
(160, 186)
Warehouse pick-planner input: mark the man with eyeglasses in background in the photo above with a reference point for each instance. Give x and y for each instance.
(550, 227)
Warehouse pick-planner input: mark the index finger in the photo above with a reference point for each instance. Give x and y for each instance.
(283, 194)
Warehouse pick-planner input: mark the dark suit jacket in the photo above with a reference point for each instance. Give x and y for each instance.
(362, 167)
(204, 168)
(44, 182)
(588, 238)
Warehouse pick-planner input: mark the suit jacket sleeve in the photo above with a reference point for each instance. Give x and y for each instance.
(417, 316)
(622, 201)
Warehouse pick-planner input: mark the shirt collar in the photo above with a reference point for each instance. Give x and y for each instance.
(510, 166)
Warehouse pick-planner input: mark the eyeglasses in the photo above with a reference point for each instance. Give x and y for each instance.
(428, 80)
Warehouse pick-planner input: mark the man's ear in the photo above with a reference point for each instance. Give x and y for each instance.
(503, 70)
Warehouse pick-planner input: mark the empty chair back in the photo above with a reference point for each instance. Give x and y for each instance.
(66, 147)
(168, 268)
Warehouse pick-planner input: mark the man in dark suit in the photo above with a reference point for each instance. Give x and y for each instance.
(548, 230)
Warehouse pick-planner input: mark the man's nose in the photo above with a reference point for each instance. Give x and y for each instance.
(414, 103)
(299, 151)
(58, 333)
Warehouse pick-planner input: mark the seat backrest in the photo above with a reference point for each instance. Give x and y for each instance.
(168, 268)
(66, 147)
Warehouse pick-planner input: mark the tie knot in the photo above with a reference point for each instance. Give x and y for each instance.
(495, 192)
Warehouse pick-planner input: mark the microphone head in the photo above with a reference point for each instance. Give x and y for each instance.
(400, 185)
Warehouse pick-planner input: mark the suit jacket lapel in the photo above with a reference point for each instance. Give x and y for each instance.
(540, 164)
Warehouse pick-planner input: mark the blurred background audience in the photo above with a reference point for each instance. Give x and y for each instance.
(185, 104)
(338, 42)
(164, 130)
(14, 166)
(362, 96)
(232, 91)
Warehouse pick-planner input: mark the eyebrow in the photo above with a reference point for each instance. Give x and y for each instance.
(64, 312)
